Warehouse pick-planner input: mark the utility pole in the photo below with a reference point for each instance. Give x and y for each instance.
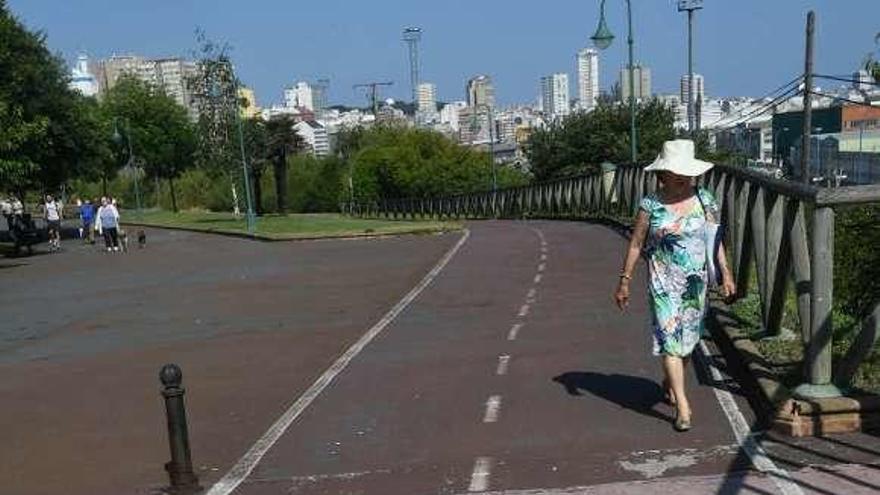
(690, 6)
(373, 88)
(808, 99)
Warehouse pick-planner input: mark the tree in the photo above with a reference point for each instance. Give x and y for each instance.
(395, 162)
(872, 61)
(281, 142)
(255, 145)
(160, 132)
(582, 141)
(45, 134)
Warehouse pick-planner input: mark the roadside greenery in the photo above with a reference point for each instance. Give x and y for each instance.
(582, 141)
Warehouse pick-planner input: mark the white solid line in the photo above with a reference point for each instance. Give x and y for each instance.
(542, 266)
(493, 406)
(524, 310)
(480, 476)
(538, 278)
(514, 331)
(503, 363)
(243, 468)
(741, 431)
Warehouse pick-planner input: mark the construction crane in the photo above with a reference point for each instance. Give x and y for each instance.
(374, 93)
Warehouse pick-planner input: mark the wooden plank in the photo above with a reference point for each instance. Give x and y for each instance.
(788, 188)
(848, 195)
(822, 269)
(800, 262)
(743, 251)
(779, 221)
(759, 236)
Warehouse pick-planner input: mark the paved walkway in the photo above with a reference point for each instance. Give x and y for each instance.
(510, 372)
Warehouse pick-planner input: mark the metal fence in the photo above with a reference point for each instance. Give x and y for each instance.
(782, 230)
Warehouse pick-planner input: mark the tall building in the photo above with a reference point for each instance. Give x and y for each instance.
(427, 97)
(555, 95)
(642, 83)
(480, 91)
(81, 77)
(588, 78)
(300, 95)
(171, 74)
(320, 96)
(699, 95)
(474, 125)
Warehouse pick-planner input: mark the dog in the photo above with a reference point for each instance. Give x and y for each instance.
(123, 240)
(142, 239)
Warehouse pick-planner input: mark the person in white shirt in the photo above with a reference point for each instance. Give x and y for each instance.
(108, 224)
(52, 213)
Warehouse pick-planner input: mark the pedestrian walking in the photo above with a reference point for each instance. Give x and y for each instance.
(87, 216)
(52, 212)
(676, 226)
(108, 223)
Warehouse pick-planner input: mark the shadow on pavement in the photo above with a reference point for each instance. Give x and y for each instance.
(630, 392)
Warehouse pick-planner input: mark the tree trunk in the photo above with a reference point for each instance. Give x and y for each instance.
(280, 166)
(104, 185)
(173, 195)
(258, 191)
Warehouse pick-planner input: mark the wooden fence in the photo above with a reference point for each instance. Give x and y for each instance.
(782, 230)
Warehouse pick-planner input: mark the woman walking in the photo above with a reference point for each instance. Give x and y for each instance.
(108, 221)
(671, 226)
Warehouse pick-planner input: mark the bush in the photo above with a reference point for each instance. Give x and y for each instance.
(857, 259)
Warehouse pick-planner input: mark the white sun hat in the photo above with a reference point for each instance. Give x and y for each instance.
(678, 157)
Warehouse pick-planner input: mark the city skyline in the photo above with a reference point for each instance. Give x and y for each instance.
(338, 44)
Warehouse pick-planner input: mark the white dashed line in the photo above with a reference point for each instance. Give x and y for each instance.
(538, 278)
(514, 331)
(531, 293)
(524, 310)
(493, 407)
(542, 266)
(544, 257)
(246, 464)
(503, 363)
(480, 476)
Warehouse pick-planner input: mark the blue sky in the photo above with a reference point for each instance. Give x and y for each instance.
(744, 47)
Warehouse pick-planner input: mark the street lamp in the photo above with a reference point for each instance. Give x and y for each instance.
(602, 39)
(117, 137)
(690, 6)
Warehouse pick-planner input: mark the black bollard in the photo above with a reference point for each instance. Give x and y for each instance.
(183, 480)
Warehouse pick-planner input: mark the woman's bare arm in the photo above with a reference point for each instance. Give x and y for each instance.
(633, 252)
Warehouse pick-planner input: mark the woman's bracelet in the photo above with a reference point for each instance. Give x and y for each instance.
(625, 276)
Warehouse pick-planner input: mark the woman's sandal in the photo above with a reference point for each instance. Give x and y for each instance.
(681, 424)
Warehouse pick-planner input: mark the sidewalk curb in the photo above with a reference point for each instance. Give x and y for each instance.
(269, 238)
(785, 413)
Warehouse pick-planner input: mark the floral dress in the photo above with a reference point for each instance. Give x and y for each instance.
(676, 252)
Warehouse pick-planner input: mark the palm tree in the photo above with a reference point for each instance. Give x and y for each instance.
(281, 141)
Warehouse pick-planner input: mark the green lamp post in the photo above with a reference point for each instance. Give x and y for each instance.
(602, 39)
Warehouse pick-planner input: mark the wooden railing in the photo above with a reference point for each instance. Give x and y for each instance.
(782, 230)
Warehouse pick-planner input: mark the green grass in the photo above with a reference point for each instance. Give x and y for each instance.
(294, 226)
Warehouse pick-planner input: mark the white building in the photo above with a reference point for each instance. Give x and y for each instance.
(450, 114)
(865, 81)
(641, 80)
(588, 78)
(300, 95)
(315, 135)
(685, 91)
(81, 77)
(555, 95)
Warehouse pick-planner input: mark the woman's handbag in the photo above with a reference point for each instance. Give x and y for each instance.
(712, 234)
